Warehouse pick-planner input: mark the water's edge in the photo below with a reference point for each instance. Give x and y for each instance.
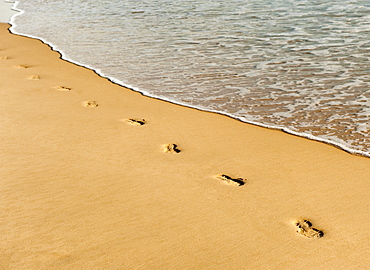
(133, 88)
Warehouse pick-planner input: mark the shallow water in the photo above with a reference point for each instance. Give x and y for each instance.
(6, 12)
(299, 65)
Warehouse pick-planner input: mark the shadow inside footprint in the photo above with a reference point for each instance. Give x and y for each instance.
(231, 181)
(90, 104)
(136, 122)
(171, 148)
(304, 228)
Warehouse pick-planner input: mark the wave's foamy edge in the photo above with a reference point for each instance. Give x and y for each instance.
(145, 93)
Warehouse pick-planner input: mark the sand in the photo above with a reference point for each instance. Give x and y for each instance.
(96, 176)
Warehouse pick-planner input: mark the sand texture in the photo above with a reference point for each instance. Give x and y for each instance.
(86, 181)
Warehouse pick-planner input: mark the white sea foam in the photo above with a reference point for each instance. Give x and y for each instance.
(302, 68)
(5, 11)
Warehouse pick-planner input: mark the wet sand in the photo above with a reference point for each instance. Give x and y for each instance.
(96, 176)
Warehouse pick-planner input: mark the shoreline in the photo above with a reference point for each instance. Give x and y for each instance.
(338, 145)
(84, 188)
(333, 142)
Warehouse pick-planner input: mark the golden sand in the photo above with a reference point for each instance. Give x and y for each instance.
(83, 188)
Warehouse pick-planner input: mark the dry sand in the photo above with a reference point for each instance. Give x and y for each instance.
(83, 187)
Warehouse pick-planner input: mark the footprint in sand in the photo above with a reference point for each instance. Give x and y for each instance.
(65, 89)
(231, 181)
(34, 77)
(21, 66)
(4, 57)
(171, 148)
(90, 104)
(304, 228)
(136, 122)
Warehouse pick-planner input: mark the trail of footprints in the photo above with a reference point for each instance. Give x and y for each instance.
(303, 227)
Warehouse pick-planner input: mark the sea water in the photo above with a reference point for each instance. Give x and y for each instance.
(297, 65)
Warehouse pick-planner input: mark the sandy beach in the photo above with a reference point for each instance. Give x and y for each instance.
(96, 176)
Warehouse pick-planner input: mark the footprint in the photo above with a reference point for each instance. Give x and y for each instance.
(66, 89)
(4, 57)
(34, 77)
(304, 228)
(171, 148)
(21, 66)
(231, 181)
(136, 122)
(90, 104)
